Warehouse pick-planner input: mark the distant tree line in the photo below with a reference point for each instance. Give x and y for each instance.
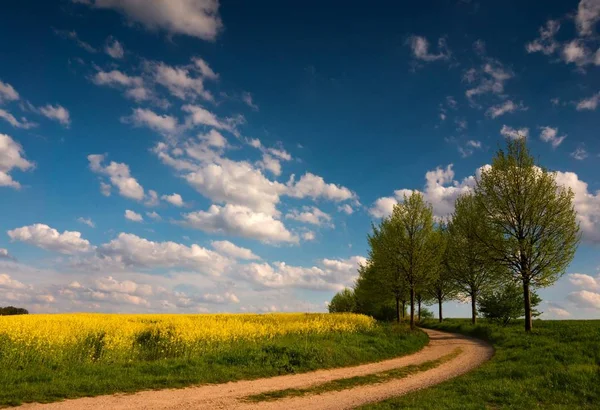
(11, 310)
(516, 232)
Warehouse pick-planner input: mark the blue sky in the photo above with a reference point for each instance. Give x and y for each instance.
(204, 156)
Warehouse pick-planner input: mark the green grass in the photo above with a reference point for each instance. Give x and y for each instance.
(350, 382)
(557, 366)
(46, 382)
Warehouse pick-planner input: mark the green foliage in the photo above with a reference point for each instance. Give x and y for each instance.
(43, 381)
(534, 215)
(369, 298)
(403, 249)
(553, 367)
(426, 314)
(506, 303)
(343, 302)
(11, 310)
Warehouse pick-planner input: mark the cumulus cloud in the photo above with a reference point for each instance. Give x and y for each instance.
(12, 156)
(201, 116)
(119, 176)
(421, 50)
(314, 186)
(579, 154)
(588, 14)
(589, 103)
(5, 255)
(153, 215)
(130, 250)
(240, 221)
(347, 209)
(236, 252)
(7, 93)
(557, 310)
(45, 237)
(514, 133)
(143, 117)
(584, 281)
(550, 135)
(490, 78)
(133, 216)
(587, 205)
(56, 113)
(311, 215)
(23, 123)
(545, 43)
(86, 221)
(585, 299)
(195, 18)
(507, 106)
(332, 274)
(174, 199)
(114, 48)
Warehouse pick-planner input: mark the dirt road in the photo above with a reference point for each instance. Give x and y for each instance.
(230, 395)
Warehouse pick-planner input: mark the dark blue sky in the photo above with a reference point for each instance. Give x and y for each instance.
(358, 101)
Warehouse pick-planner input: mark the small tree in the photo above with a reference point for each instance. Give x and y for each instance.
(442, 286)
(538, 227)
(465, 259)
(343, 301)
(506, 303)
(404, 248)
(11, 310)
(370, 300)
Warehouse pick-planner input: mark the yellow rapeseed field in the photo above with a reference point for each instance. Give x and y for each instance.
(117, 337)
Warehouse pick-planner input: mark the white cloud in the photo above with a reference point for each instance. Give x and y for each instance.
(241, 221)
(6, 282)
(575, 52)
(546, 42)
(72, 35)
(347, 209)
(116, 78)
(133, 216)
(105, 188)
(174, 199)
(441, 191)
(589, 103)
(86, 221)
(4, 254)
(584, 281)
(196, 18)
(506, 107)
(333, 274)
(236, 252)
(114, 48)
(513, 133)
(270, 164)
(311, 215)
(587, 205)
(490, 78)
(23, 123)
(205, 69)
(237, 183)
(308, 236)
(119, 175)
(7, 93)
(56, 113)
(11, 156)
(585, 299)
(201, 116)
(152, 198)
(180, 81)
(558, 311)
(420, 49)
(247, 99)
(579, 154)
(314, 186)
(132, 251)
(164, 124)
(588, 14)
(45, 237)
(153, 215)
(550, 135)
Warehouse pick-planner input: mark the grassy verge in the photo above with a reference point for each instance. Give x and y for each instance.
(47, 381)
(557, 366)
(350, 382)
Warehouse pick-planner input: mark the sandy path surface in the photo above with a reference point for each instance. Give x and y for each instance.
(229, 395)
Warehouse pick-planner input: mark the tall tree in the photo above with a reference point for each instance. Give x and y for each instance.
(343, 301)
(465, 260)
(536, 218)
(442, 286)
(403, 246)
(370, 300)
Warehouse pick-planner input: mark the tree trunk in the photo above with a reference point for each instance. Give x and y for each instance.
(403, 308)
(473, 310)
(527, 297)
(412, 308)
(419, 299)
(440, 310)
(397, 309)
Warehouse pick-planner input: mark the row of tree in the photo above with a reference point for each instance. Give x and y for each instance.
(517, 229)
(11, 310)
